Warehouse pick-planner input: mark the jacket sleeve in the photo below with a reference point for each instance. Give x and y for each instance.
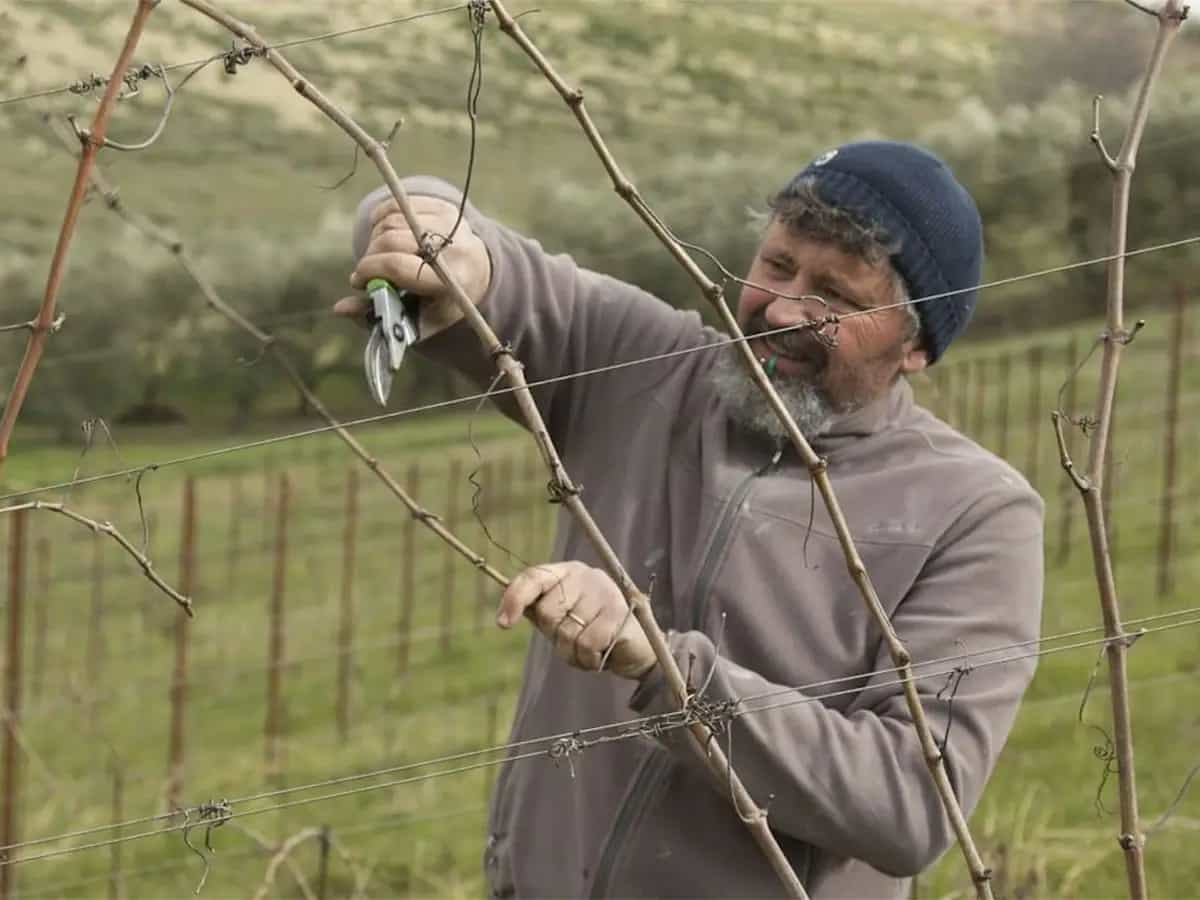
(558, 317)
(855, 782)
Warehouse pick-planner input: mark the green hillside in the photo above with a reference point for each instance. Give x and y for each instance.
(707, 106)
(669, 81)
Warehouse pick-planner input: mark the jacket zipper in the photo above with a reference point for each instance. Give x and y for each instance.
(654, 766)
(721, 536)
(637, 797)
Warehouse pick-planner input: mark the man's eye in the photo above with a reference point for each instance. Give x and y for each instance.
(833, 298)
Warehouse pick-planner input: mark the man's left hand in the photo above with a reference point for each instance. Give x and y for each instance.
(582, 611)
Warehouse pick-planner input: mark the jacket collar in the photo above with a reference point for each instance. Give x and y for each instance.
(885, 411)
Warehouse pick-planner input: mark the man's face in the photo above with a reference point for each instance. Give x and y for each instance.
(872, 350)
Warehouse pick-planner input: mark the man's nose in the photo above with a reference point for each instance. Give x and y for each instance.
(783, 312)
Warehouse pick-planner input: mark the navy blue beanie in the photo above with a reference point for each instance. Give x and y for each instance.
(913, 196)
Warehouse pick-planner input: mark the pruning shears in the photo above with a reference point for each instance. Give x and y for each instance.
(393, 318)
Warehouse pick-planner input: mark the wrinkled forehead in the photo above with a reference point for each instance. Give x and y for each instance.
(819, 253)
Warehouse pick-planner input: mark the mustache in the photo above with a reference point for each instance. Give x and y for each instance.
(801, 344)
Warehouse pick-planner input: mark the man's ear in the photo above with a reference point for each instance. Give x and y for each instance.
(914, 360)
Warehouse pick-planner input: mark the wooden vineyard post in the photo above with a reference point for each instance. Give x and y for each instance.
(408, 577)
(451, 564)
(1166, 522)
(346, 609)
(1033, 428)
(275, 646)
(12, 693)
(177, 753)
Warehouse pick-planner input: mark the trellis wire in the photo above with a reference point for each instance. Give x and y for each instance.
(474, 398)
(637, 723)
(77, 87)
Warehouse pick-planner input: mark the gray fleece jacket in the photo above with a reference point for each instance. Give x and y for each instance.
(751, 585)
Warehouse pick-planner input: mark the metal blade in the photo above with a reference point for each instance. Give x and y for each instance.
(376, 364)
(393, 317)
(390, 313)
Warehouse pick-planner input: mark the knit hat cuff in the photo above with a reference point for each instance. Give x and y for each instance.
(914, 260)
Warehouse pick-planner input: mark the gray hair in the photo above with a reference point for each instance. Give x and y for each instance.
(802, 210)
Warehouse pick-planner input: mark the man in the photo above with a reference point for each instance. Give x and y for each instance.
(686, 473)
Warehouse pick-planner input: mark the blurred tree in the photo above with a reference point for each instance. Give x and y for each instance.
(81, 374)
(1076, 45)
(317, 345)
(706, 201)
(162, 327)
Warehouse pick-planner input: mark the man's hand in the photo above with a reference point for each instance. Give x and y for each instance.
(393, 253)
(582, 611)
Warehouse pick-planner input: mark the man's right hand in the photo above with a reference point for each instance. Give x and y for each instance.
(393, 253)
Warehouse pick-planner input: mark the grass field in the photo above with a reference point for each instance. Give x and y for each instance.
(103, 701)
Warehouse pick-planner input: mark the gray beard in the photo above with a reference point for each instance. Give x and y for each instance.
(748, 406)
